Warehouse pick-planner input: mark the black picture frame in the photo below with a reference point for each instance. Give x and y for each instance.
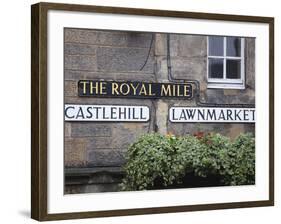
(39, 105)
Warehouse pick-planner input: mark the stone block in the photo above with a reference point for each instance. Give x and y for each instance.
(90, 129)
(91, 188)
(74, 189)
(104, 143)
(179, 103)
(75, 152)
(96, 37)
(139, 39)
(104, 178)
(67, 129)
(111, 101)
(160, 44)
(131, 127)
(138, 75)
(250, 128)
(75, 75)
(114, 187)
(235, 130)
(242, 98)
(80, 62)
(203, 86)
(70, 88)
(161, 69)
(106, 157)
(124, 59)
(126, 133)
(174, 44)
(121, 137)
(215, 96)
(162, 112)
(78, 49)
(109, 142)
(231, 92)
(250, 62)
(192, 46)
(189, 68)
(183, 129)
(108, 38)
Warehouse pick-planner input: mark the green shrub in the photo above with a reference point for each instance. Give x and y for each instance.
(240, 162)
(148, 158)
(210, 157)
(186, 149)
(168, 159)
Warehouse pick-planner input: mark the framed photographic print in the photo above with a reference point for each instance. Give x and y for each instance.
(138, 111)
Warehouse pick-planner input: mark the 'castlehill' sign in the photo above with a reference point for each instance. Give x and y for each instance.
(75, 112)
(127, 89)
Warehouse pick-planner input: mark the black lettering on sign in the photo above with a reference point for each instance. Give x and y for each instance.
(127, 89)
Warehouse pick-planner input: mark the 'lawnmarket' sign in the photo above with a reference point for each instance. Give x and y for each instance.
(206, 114)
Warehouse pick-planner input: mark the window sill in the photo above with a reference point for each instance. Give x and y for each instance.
(225, 86)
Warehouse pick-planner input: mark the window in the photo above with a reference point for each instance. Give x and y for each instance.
(225, 63)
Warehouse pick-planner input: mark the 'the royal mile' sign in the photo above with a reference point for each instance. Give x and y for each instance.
(212, 114)
(85, 112)
(127, 89)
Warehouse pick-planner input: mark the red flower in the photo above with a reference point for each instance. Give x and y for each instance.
(199, 135)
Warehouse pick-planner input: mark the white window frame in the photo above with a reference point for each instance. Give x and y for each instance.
(224, 83)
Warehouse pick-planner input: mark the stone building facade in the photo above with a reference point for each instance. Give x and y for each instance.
(94, 151)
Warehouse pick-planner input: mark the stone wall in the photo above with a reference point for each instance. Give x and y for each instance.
(94, 152)
(189, 61)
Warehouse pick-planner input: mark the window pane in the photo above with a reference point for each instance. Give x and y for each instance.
(233, 46)
(215, 68)
(233, 70)
(215, 46)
